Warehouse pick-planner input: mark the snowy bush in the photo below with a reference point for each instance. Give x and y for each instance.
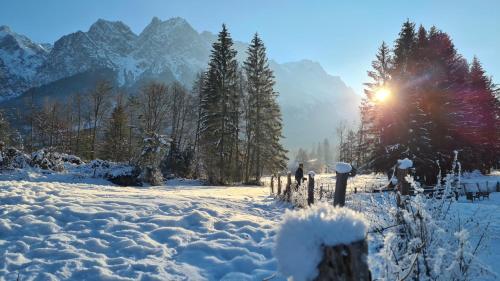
(153, 150)
(48, 159)
(11, 158)
(303, 234)
(425, 240)
(124, 175)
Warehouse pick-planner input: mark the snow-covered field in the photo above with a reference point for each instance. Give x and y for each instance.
(52, 229)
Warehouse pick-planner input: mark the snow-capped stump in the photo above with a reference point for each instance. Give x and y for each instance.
(405, 163)
(343, 168)
(323, 243)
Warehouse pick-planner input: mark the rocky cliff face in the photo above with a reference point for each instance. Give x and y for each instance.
(20, 60)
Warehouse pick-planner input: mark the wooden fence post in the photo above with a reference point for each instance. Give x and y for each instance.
(310, 189)
(343, 170)
(403, 186)
(279, 185)
(345, 262)
(288, 189)
(272, 184)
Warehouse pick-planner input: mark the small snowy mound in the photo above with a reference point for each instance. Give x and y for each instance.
(405, 163)
(303, 233)
(343, 168)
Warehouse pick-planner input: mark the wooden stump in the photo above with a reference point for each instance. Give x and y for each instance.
(345, 263)
(340, 189)
(310, 190)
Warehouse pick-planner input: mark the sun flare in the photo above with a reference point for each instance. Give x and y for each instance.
(382, 94)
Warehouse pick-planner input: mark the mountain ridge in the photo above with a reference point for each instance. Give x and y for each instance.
(168, 50)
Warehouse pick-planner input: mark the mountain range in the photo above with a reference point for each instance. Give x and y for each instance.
(312, 100)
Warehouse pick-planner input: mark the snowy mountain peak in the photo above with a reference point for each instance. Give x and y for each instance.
(4, 30)
(172, 25)
(19, 60)
(105, 27)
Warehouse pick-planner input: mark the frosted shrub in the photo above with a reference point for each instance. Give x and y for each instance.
(11, 158)
(429, 241)
(153, 150)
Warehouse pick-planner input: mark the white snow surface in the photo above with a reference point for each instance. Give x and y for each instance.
(405, 163)
(342, 167)
(303, 233)
(54, 230)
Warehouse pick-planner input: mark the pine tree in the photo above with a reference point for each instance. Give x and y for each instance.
(116, 135)
(485, 123)
(197, 92)
(419, 147)
(377, 135)
(264, 116)
(4, 129)
(328, 156)
(220, 107)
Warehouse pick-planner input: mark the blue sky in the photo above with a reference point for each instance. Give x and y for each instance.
(342, 35)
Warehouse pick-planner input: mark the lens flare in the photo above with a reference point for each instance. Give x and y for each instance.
(382, 94)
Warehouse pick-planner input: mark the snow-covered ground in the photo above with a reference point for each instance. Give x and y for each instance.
(57, 230)
(62, 227)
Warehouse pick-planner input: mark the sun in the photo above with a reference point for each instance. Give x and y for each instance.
(382, 94)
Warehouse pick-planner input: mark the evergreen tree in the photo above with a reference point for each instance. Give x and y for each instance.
(328, 156)
(4, 129)
(264, 116)
(116, 135)
(302, 158)
(485, 134)
(437, 105)
(377, 133)
(219, 110)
